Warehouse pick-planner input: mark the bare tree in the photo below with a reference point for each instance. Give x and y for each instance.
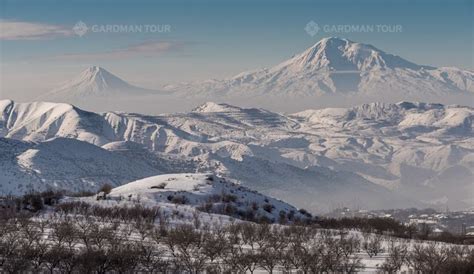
(16, 262)
(152, 258)
(350, 245)
(185, 245)
(214, 246)
(54, 256)
(99, 234)
(93, 261)
(124, 258)
(9, 243)
(64, 232)
(397, 257)
(270, 251)
(428, 258)
(351, 264)
(372, 244)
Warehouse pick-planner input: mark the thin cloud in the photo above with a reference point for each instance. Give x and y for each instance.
(147, 49)
(20, 30)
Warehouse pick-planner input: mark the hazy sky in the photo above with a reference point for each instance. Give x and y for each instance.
(212, 39)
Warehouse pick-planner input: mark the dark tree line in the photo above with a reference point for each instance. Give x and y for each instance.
(388, 226)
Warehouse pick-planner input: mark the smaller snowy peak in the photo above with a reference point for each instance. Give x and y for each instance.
(215, 107)
(103, 79)
(94, 81)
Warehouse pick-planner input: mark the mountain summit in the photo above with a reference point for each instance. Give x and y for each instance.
(94, 81)
(338, 54)
(98, 79)
(339, 66)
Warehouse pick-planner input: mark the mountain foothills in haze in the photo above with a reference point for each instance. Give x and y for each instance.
(376, 155)
(339, 66)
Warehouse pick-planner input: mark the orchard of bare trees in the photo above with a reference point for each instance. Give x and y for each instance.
(79, 238)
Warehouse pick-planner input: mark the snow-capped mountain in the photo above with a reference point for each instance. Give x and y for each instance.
(374, 155)
(335, 65)
(94, 82)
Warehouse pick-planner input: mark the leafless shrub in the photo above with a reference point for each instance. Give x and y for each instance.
(106, 188)
(160, 186)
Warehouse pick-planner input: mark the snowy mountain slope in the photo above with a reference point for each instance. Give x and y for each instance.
(203, 190)
(62, 163)
(338, 66)
(94, 82)
(165, 163)
(39, 121)
(12, 175)
(388, 154)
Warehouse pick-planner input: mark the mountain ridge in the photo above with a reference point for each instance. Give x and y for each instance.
(376, 150)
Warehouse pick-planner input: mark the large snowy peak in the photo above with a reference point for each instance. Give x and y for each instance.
(338, 66)
(337, 54)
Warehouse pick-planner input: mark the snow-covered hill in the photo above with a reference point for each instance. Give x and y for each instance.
(373, 155)
(205, 192)
(338, 66)
(94, 82)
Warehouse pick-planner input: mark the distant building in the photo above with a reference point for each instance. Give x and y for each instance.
(437, 231)
(101, 196)
(469, 236)
(470, 231)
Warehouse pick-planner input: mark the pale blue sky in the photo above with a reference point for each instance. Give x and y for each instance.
(214, 39)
